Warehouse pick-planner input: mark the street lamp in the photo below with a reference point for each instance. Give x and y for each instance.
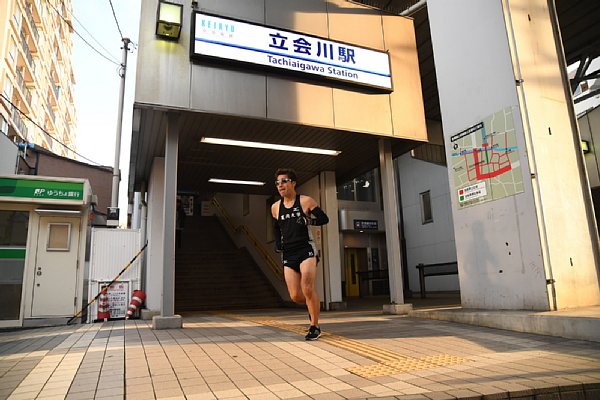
(168, 20)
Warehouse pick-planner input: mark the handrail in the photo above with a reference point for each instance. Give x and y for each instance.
(422, 274)
(442, 264)
(277, 270)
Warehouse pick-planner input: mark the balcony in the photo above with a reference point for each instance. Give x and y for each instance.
(24, 89)
(18, 122)
(27, 52)
(32, 24)
(56, 90)
(50, 112)
(35, 7)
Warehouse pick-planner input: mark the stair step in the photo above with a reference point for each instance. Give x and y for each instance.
(212, 273)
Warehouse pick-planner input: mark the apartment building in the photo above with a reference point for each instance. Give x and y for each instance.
(36, 73)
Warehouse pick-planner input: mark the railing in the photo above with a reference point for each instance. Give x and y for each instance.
(37, 10)
(50, 111)
(32, 22)
(445, 268)
(24, 89)
(56, 91)
(260, 248)
(18, 122)
(374, 274)
(27, 53)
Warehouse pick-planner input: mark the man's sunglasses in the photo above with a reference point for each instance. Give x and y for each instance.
(283, 180)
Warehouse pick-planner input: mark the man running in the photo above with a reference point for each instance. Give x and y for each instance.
(293, 213)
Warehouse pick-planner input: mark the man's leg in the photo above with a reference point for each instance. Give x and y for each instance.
(292, 280)
(308, 270)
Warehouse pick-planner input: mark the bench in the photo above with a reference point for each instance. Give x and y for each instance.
(448, 268)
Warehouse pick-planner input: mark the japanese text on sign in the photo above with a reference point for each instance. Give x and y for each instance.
(222, 38)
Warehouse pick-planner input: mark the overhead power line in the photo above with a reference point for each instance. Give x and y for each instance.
(90, 34)
(81, 37)
(116, 20)
(49, 135)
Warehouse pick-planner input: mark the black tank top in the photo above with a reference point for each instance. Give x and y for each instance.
(293, 234)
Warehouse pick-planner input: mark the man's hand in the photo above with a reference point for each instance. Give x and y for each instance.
(321, 218)
(303, 220)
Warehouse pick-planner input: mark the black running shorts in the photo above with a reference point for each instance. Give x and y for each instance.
(293, 258)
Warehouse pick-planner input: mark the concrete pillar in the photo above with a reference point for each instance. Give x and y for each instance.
(331, 242)
(520, 209)
(154, 234)
(167, 318)
(392, 237)
(136, 212)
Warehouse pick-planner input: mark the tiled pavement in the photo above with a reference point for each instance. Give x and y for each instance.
(261, 354)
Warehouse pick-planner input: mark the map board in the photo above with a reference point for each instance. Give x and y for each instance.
(485, 160)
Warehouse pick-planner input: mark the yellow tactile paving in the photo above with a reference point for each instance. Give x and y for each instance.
(407, 365)
(388, 362)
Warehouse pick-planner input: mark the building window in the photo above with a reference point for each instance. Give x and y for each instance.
(361, 188)
(3, 125)
(18, 17)
(59, 237)
(12, 52)
(426, 214)
(346, 191)
(7, 90)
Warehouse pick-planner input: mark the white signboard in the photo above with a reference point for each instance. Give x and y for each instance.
(228, 39)
(118, 298)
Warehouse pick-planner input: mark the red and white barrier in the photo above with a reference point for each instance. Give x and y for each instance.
(137, 299)
(103, 306)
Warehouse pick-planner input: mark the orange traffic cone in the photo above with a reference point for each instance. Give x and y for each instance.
(137, 298)
(103, 308)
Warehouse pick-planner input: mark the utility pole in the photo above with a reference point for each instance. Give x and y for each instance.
(112, 216)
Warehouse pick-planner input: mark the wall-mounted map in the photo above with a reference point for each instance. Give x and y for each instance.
(485, 160)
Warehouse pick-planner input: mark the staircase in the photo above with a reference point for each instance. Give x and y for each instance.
(211, 273)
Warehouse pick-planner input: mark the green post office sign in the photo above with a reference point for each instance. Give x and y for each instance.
(40, 189)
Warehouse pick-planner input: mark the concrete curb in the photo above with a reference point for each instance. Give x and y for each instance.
(561, 324)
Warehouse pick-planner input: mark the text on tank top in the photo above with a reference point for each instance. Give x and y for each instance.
(293, 234)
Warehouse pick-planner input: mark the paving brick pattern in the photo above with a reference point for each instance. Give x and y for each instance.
(237, 357)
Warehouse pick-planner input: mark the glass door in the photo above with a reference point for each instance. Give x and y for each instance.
(13, 242)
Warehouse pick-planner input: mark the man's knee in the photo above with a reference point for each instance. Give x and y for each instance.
(308, 289)
(298, 298)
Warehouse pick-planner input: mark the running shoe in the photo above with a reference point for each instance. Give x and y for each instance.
(313, 333)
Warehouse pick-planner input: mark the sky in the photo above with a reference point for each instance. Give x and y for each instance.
(97, 82)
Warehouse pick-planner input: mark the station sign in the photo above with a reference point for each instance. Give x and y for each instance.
(230, 40)
(360, 224)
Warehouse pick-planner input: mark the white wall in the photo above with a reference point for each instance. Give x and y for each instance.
(432, 242)
(8, 155)
(256, 94)
(507, 248)
(490, 276)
